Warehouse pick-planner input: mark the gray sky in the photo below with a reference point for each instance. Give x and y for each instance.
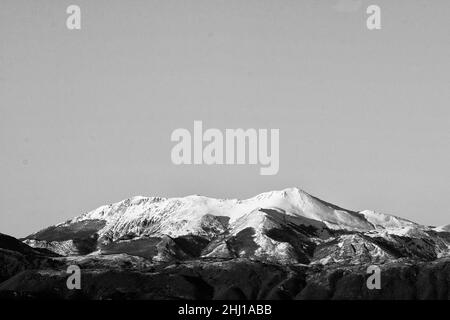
(86, 116)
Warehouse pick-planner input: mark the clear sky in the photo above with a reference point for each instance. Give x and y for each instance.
(86, 116)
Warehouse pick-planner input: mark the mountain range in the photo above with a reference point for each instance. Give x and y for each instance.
(280, 244)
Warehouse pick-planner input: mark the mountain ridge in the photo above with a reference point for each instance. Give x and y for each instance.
(283, 226)
(283, 244)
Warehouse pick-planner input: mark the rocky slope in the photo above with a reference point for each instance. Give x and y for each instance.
(128, 277)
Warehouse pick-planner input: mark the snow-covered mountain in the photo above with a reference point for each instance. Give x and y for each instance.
(443, 228)
(288, 226)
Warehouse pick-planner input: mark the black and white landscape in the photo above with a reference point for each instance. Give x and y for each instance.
(283, 244)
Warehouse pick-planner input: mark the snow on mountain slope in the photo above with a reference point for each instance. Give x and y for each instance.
(180, 216)
(442, 228)
(353, 249)
(60, 247)
(272, 235)
(386, 221)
